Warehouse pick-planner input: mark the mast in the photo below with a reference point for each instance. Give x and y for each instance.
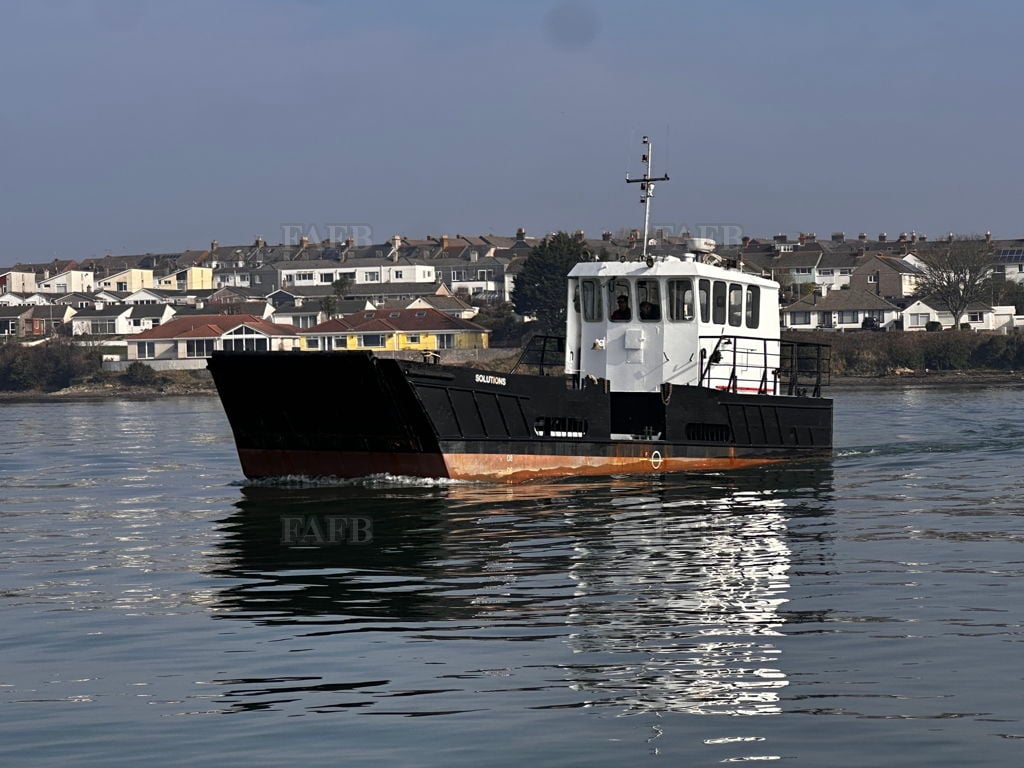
(646, 188)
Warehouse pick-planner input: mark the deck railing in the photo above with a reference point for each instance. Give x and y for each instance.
(783, 367)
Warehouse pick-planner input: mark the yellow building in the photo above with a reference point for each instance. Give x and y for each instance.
(396, 330)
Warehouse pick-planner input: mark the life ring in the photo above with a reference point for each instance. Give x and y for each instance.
(656, 460)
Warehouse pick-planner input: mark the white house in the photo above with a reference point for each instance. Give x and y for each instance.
(979, 316)
(69, 281)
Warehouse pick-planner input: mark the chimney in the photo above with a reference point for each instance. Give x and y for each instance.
(579, 236)
(520, 234)
(444, 242)
(923, 238)
(902, 238)
(303, 241)
(812, 237)
(213, 246)
(781, 238)
(863, 237)
(988, 237)
(801, 238)
(606, 236)
(349, 242)
(882, 237)
(260, 242)
(745, 240)
(838, 237)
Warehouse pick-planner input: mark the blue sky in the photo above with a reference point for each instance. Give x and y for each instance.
(134, 126)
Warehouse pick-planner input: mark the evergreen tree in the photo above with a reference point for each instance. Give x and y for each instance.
(540, 289)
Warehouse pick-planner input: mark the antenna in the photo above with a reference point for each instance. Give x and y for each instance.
(646, 190)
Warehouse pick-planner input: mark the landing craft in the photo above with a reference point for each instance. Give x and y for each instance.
(670, 362)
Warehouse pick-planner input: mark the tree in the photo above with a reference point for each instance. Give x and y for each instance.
(541, 285)
(329, 304)
(957, 274)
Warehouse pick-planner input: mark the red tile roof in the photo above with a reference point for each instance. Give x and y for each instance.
(212, 326)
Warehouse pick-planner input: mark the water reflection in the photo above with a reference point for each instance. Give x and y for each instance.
(641, 594)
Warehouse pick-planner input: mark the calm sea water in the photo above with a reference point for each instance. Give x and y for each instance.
(863, 611)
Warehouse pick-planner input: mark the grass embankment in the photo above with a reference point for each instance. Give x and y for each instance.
(867, 354)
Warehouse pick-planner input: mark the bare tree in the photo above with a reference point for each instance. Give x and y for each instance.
(957, 273)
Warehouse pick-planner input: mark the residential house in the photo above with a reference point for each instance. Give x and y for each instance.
(15, 321)
(127, 281)
(17, 282)
(186, 342)
(451, 305)
(978, 317)
(111, 320)
(885, 275)
(188, 279)
(69, 281)
(848, 309)
(144, 317)
(397, 330)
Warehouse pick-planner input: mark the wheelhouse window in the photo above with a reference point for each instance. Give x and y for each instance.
(680, 299)
(704, 294)
(735, 304)
(753, 306)
(619, 305)
(591, 298)
(718, 306)
(648, 297)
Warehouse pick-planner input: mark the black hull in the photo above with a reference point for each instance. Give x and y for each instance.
(352, 414)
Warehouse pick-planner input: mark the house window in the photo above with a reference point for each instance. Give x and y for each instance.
(368, 340)
(801, 270)
(371, 277)
(485, 274)
(847, 316)
(103, 327)
(799, 318)
(446, 341)
(919, 319)
(305, 321)
(9, 327)
(312, 342)
(199, 348)
(458, 274)
(326, 277)
(975, 317)
(873, 277)
(825, 272)
(412, 338)
(122, 286)
(147, 350)
(398, 274)
(245, 340)
(845, 271)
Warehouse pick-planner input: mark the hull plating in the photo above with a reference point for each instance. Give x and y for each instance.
(356, 415)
